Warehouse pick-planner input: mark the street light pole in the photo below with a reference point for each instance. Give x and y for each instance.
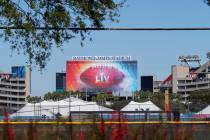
(70, 126)
(86, 95)
(69, 105)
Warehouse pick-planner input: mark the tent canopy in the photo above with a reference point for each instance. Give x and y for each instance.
(205, 113)
(205, 110)
(51, 108)
(145, 106)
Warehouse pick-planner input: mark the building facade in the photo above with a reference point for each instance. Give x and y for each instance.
(60, 81)
(14, 88)
(149, 83)
(185, 79)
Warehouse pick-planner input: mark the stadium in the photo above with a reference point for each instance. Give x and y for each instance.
(190, 75)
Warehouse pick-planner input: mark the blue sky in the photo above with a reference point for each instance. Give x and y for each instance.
(155, 51)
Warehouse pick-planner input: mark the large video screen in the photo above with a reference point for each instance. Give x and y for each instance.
(60, 82)
(147, 83)
(101, 76)
(18, 72)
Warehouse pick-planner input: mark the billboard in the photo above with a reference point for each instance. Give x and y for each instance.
(18, 72)
(104, 76)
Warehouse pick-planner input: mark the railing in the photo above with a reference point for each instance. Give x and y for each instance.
(17, 79)
(192, 89)
(12, 90)
(12, 84)
(12, 102)
(12, 96)
(194, 83)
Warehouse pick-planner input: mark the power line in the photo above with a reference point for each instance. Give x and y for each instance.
(115, 28)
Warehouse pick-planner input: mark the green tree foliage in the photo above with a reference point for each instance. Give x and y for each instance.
(208, 2)
(142, 96)
(115, 103)
(54, 96)
(80, 95)
(101, 98)
(118, 104)
(33, 99)
(22, 17)
(158, 99)
(198, 100)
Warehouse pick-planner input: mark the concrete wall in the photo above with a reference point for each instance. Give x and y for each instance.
(178, 72)
(28, 80)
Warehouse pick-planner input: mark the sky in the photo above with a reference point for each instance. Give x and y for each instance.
(155, 51)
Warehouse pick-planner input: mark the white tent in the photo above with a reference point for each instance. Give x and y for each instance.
(49, 109)
(145, 106)
(31, 110)
(205, 113)
(83, 106)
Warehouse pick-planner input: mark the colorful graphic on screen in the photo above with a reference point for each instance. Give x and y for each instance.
(106, 76)
(18, 72)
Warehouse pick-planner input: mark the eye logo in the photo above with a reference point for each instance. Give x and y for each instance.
(102, 77)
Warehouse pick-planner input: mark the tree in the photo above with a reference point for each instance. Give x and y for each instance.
(34, 26)
(142, 96)
(54, 96)
(198, 100)
(208, 2)
(118, 104)
(101, 98)
(158, 99)
(33, 99)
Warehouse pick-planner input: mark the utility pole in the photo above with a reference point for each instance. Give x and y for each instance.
(70, 126)
(86, 94)
(166, 104)
(69, 105)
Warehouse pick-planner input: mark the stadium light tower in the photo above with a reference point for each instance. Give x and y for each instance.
(183, 59)
(189, 58)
